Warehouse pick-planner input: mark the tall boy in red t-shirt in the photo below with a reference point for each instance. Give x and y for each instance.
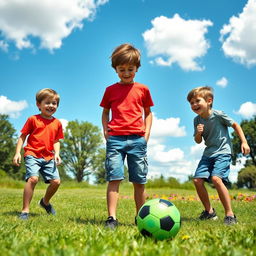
(128, 130)
(42, 150)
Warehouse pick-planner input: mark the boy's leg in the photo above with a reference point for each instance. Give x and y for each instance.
(28, 192)
(115, 155)
(32, 173)
(209, 212)
(51, 190)
(137, 168)
(139, 195)
(220, 172)
(50, 173)
(112, 197)
(223, 195)
(203, 194)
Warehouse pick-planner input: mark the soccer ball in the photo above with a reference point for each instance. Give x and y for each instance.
(159, 218)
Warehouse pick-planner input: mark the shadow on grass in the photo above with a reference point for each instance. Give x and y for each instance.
(87, 221)
(96, 222)
(17, 213)
(186, 219)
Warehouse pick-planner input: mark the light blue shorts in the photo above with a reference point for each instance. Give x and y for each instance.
(218, 165)
(133, 147)
(47, 169)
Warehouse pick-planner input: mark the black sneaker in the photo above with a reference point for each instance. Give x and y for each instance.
(111, 223)
(230, 220)
(49, 208)
(24, 216)
(205, 215)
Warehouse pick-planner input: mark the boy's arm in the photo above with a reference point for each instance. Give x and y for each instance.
(199, 130)
(148, 122)
(56, 147)
(105, 120)
(245, 149)
(17, 157)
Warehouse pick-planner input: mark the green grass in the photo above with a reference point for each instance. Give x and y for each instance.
(78, 229)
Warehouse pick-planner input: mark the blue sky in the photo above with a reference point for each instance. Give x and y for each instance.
(65, 45)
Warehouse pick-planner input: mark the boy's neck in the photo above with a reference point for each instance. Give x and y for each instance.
(46, 117)
(206, 114)
(120, 82)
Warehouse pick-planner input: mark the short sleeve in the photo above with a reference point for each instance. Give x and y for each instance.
(225, 119)
(28, 126)
(147, 102)
(59, 134)
(105, 103)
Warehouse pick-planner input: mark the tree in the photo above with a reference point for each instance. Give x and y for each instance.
(99, 167)
(249, 128)
(247, 177)
(7, 149)
(79, 148)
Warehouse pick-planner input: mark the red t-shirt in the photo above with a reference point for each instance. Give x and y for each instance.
(43, 133)
(127, 102)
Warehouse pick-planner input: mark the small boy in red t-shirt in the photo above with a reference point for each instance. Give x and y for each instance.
(42, 150)
(128, 131)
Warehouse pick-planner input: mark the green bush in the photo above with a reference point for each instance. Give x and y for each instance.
(7, 182)
(2, 173)
(171, 182)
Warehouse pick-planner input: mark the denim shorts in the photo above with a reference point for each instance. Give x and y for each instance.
(218, 165)
(47, 169)
(132, 147)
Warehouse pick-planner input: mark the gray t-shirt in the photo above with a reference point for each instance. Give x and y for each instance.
(215, 133)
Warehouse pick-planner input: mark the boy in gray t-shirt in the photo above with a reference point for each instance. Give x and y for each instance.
(212, 126)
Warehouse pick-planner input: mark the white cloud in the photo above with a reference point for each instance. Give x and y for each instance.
(64, 123)
(50, 21)
(167, 127)
(179, 170)
(196, 151)
(176, 40)
(158, 154)
(223, 82)
(238, 37)
(11, 108)
(4, 46)
(234, 169)
(163, 160)
(247, 110)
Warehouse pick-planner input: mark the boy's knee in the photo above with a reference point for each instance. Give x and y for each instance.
(33, 180)
(55, 183)
(113, 186)
(138, 186)
(198, 181)
(216, 180)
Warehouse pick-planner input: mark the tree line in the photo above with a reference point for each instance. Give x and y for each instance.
(83, 154)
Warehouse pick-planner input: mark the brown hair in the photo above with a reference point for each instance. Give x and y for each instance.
(45, 93)
(205, 92)
(125, 54)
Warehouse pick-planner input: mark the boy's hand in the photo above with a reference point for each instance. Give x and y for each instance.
(106, 135)
(200, 128)
(146, 136)
(245, 148)
(17, 159)
(57, 159)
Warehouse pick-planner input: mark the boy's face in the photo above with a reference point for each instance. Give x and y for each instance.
(126, 73)
(201, 106)
(48, 107)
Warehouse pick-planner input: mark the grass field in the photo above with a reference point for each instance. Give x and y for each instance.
(78, 228)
